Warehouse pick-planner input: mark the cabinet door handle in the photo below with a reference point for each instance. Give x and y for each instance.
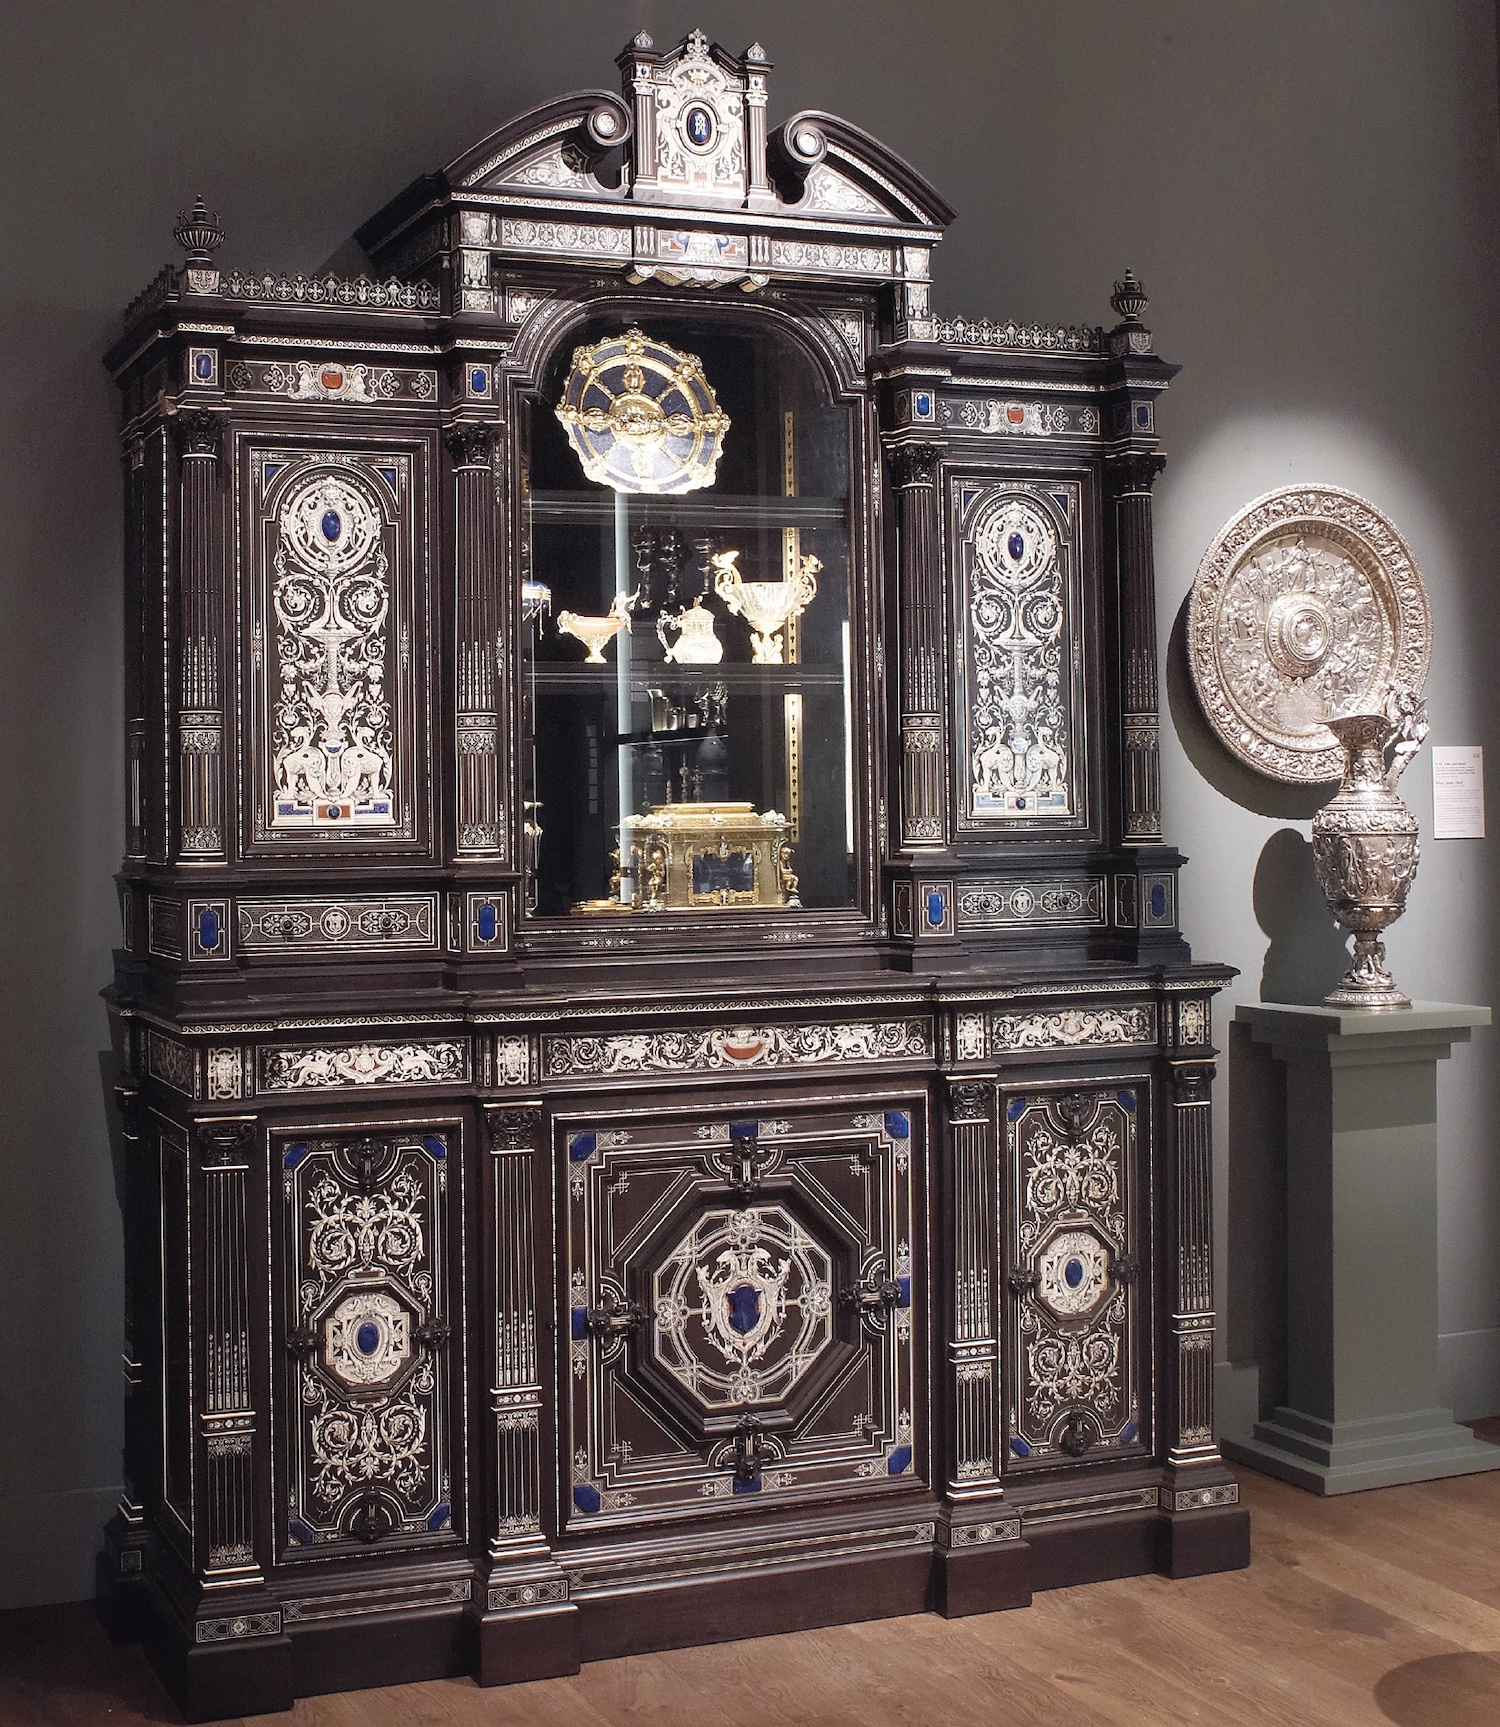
(874, 1295)
(433, 1333)
(611, 1317)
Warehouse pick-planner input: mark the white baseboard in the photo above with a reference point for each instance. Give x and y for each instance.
(1471, 1373)
(48, 1542)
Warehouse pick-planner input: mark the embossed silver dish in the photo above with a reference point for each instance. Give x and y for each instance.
(1307, 604)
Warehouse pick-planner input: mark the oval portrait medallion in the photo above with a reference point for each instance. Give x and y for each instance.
(1308, 604)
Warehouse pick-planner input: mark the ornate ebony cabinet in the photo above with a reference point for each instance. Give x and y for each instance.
(663, 1095)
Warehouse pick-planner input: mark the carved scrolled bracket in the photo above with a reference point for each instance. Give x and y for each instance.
(513, 1129)
(1022, 1283)
(223, 1144)
(1126, 1268)
(914, 464)
(303, 1342)
(472, 446)
(198, 434)
(1134, 471)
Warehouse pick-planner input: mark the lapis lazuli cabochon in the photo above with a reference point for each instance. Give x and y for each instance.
(332, 525)
(1017, 546)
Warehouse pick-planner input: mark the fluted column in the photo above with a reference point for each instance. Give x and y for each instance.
(527, 1625)
(480, 697)
(924, 780)
(973, 1345)
(225, 1405)
(200, 715)
(1189, 1405)
(1132, 475)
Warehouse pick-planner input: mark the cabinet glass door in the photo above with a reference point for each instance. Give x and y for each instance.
(686, 614)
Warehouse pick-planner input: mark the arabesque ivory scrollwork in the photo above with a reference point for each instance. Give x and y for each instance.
(331, 743)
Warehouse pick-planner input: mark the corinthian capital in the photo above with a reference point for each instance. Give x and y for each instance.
(470, 446)
(914, 464)
(1135, 470)
(199, 433)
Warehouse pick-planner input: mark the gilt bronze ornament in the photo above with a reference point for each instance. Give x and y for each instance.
(642, 417)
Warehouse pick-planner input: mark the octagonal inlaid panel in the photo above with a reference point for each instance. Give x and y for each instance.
(742, 1306)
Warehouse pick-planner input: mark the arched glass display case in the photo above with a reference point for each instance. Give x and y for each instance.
(689, 665)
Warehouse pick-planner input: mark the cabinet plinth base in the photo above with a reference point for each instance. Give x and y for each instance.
(756, 1604)
(1196, 1543)
(209, 1681)
(517, 1646)
(981, 1579)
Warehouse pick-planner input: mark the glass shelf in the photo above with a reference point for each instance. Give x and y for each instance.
(709, 510)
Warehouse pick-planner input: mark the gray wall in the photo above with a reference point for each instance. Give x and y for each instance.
(1309, 192)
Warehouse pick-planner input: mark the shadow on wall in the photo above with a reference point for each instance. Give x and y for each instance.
(1306, 956)
(1308, 952)
(1255, 1245)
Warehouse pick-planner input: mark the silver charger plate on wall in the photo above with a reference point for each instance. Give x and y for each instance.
(1308, 604)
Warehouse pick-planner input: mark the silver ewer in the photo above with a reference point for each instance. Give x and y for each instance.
(1365, 847)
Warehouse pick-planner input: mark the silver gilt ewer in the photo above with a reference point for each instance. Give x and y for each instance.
(1365, 848)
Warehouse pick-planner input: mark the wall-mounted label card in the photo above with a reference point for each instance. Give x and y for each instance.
(1458, 792)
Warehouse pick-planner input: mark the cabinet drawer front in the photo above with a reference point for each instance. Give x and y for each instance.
(371, 1334)
(742, 1305)
(1078, 1346)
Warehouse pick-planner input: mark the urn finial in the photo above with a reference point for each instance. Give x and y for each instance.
(199, 235)
(1129, 298)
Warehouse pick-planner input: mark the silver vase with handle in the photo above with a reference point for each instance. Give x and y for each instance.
(1365, 846)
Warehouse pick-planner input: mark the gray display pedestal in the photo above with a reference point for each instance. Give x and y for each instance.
(1362, 1318)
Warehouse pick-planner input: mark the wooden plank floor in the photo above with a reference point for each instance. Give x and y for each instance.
(1368, 1609)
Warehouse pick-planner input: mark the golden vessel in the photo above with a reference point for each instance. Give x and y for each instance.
(765, 606)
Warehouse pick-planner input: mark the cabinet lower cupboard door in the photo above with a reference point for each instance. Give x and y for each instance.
(1079, 1352)
(743, 1317)
(367, 1440)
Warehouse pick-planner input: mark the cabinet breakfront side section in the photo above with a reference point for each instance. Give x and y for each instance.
(663, 1094)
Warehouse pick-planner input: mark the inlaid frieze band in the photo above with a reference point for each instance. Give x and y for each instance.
(392, 922)
(722, 1049)
(1073, 1028)
(1001, 417)
(435, 1061)
(1036, 903)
